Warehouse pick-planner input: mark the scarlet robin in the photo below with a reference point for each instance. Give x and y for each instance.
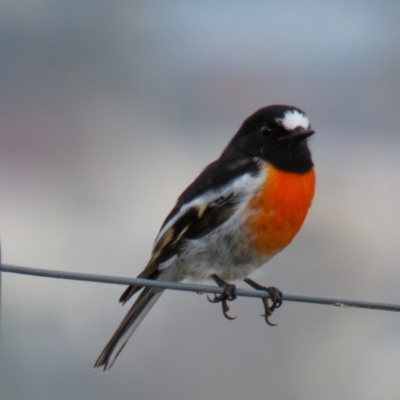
(243, 209)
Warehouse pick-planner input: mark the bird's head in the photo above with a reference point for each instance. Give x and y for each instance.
(277, 134)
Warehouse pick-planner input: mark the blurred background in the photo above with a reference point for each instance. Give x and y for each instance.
(108, 110)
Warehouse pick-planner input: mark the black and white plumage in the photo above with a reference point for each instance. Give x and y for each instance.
(190, 246)
(203, 233)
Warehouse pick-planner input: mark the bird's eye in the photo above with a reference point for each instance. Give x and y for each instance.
(265, 129)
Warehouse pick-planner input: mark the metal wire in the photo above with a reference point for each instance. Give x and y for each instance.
(77, 276)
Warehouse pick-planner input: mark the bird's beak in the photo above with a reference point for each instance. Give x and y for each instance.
(298, 134)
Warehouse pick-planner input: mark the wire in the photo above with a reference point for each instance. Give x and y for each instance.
(77, 276)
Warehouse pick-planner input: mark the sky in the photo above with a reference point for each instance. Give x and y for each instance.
(108, 110)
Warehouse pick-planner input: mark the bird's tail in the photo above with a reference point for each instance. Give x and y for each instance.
(132, 320)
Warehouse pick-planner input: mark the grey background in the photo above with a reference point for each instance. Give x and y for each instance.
(108, 110)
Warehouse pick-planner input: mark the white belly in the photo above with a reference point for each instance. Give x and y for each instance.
(224, 251)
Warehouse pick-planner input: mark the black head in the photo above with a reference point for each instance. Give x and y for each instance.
(277, 134)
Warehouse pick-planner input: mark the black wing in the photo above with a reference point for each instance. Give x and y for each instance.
(199, 219)
(194, 223)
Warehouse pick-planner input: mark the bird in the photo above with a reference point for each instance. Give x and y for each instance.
(241, 211)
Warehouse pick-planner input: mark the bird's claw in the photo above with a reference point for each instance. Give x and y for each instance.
(229, 294)
(276, 298)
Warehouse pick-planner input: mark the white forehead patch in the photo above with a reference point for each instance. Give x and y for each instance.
(294, 119)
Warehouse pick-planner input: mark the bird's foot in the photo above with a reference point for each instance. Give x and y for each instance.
(276, 298)
(229, 294)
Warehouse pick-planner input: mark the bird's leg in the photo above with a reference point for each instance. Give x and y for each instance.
(276, 297)
(229, 294)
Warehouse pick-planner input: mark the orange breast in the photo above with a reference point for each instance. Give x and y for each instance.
(278, 211)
